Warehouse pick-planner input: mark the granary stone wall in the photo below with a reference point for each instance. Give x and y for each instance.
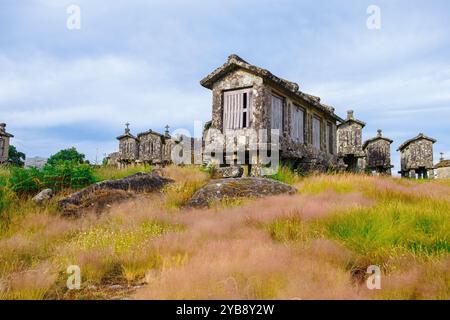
(128, 149)
(378, 154)
(4, 143)
(416, 157)
(442, 168)
(261, 85)
(148, 147)
(349, 143)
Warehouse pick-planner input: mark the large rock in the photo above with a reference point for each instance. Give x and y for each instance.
(42, 196)
(251, 187)
(112, 190)
(228, 172)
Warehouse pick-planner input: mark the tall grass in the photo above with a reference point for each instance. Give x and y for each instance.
(113, 173)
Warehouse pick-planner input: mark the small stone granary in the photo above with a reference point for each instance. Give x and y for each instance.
(246, 98)
(416, 156)
(350, 146)
(442, 168)
(4, 143)
(148, 147)
(378, 154)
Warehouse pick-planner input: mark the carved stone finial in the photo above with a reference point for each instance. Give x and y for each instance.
(127, 128)
(442, 156)
(379, 134)
(350, 114)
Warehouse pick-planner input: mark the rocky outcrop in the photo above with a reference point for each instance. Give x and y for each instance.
(228, 172)
(113, 190)
(251, 187)
(42, 196)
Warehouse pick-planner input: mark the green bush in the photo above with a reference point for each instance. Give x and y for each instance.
(67, 174)
(25, 181)
(58, 176)
(71, 155)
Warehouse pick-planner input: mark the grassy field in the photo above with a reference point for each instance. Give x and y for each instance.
(315, 244)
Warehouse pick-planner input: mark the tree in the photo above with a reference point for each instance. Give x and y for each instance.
(71, 155)
(16, 158)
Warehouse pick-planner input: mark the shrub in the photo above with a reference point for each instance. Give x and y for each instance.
(16, 158)
(59, 176)
(25, 181)
(67, 174)
(70, 154)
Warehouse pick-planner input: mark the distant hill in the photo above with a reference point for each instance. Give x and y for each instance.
(37, 162)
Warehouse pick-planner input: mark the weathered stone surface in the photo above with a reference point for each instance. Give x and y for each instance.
(139, 182)
(378, 154)
(349, 143)
(4, 143)
(228, 172)
(42, 196)
(442, 168)
(147, 147)
(416, 156)
(238, 188)
(261, 85)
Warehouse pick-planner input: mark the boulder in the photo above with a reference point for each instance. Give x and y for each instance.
(233, 188)
(42, 196)
(114, 190)
(228, 172)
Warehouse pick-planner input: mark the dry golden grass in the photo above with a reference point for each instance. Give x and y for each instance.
(315, 244)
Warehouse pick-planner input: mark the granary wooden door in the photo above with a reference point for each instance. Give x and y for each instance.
(237, 109)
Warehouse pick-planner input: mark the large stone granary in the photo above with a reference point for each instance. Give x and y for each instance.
(378, 154)
(246, 98)
(4, 143)
(416, 157)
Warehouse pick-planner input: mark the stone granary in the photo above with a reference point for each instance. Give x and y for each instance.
(378, 154)
(349, 142)
(148, 147)
(416, 156)
(247, 98)
(4, 143)
(442, 168)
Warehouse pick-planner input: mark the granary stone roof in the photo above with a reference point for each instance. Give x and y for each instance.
(126, 135)
(150, 131)
(378, 137)
(442, 164)
(351, 119)
(235, 62)
(418, 137)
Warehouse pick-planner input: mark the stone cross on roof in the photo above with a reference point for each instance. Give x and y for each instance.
(442, 156)
(379, 133)
(127, 129)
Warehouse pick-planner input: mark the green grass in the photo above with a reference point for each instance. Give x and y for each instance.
(113, 173)
(394, 227)
(285, 174)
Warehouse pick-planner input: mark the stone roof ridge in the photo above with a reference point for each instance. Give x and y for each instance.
(419, 136)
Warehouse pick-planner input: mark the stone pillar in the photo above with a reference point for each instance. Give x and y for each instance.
(412, 174)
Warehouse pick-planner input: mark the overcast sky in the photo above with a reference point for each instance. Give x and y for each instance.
(141, 61)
